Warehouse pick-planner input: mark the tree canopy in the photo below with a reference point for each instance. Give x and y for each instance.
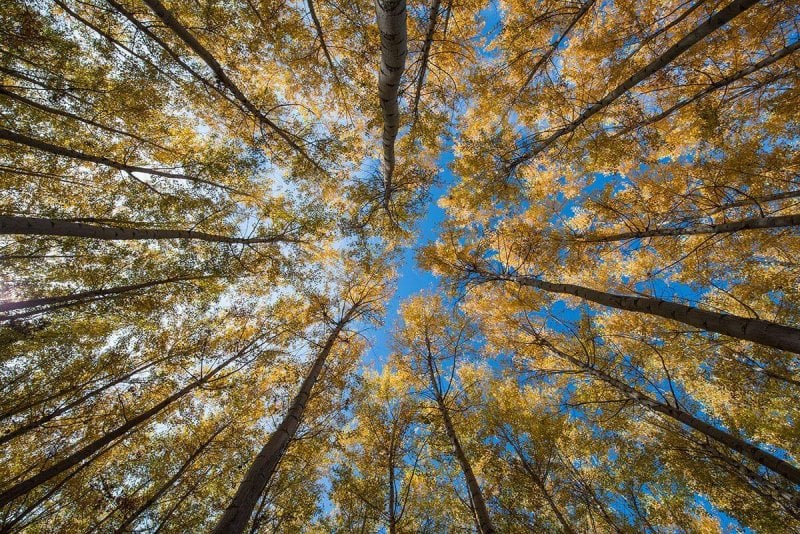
(222, 309)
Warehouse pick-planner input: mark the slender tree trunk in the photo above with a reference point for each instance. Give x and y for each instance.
(236, 516)
(757, 482)
(748, 450)
(392, 498)
(587, 4)
(24, 429)
(483, 520)
(716, 21)
(20, 225)
(756, 330)
(719, 84)
(749, 201)
(78, 298)
(665, 28)
(168, 515)
(169, 483)
(67, 114)
(590, 495)
(426, 52)
(120, 45)
(391, 15)
(189, 40)
(752, 223)
(44, 146)
(540, 484)
(145, 29)
(31, 483)
(321, 37)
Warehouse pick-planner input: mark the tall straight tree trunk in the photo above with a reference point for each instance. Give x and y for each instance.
(50, 148)
(61, 113)
(189, 40)
(240, 509)
(716, 21)
(32, 425)
(542, 486)
(152, 499)
(19, 225)
(748, 450)
(483, 520)
(426, 52)
(391, 15)
(719, 84)
(145, 30)
(764, 487)
(755, 330)
(756, 200)
(321, 36)
(587, 4)
(83, 296)
(392, 489)
(31, 483)
(752, 223)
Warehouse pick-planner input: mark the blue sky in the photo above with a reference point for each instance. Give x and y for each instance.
(411, 279)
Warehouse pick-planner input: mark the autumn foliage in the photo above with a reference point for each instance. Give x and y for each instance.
(207, 209)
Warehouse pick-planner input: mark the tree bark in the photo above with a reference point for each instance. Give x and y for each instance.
(44, 146)
(426, 52)
(392, 498)
(169, 483)
(540, 483)
(756, 200)
(189, 40)
(31, 483)
(20, 225)
(752, 223)
(24, 429)
(321, 37)
(235, 518)
(748, 450)
(553, 47)
(61, 113)
(719, 84)
(391, 15)
(77, 298)
(717, 20)
(756, 330)
(483, 520)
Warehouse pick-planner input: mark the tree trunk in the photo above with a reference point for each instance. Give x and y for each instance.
(321, 37)
(426, 52)
(44, 146)
(189, 40)
(771, 462)
(719, 84)
(169, 483)
(756, 330)
(752, 223)
(14, 225)
(24, 429)
(235, 518)
(67, 114)
(85, 452)
(77, 298)
(756, 200)
(540, 483)
(554, 46)
(392, 498)
(717, 20)
(391, 15)
(483, 520)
